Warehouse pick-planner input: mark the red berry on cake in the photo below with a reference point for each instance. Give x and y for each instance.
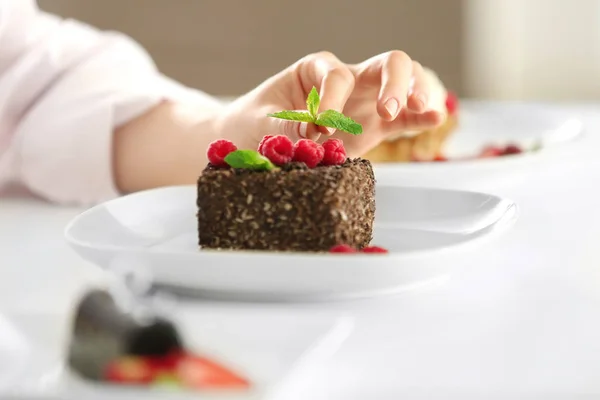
(262, 143)
(218, 150)
(335, 154)
(309, 152)
(374, 249)
(451, 103)
(342, 248)
(278, 149)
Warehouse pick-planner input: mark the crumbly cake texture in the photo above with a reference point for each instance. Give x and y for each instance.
(294, 208)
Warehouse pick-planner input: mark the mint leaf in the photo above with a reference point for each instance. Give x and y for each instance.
(328, 118)
(248, 159)
(301, 116)
(337, 120)
(313, 101)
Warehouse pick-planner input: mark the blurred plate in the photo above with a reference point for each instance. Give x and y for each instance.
(550, 129)
(275, 351)
(527, 125)
(154, 234)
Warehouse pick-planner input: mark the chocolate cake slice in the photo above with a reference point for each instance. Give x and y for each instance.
(291, 208)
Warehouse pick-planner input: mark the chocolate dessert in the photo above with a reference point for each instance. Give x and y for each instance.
(295, 208)
(287, 196)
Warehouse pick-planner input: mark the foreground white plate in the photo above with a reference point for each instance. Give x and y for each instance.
(276, 350)
(154, 234)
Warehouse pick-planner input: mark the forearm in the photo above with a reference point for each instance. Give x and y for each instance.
(165, 146)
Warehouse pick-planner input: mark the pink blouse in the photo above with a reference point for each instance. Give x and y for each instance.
(64, 87)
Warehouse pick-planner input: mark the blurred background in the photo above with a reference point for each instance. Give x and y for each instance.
(496, 49)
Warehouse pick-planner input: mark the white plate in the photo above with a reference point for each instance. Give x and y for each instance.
(154, 233)
(557, 129)
(483, 124)
(276, 352)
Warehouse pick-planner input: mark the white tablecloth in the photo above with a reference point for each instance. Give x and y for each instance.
(522, 318)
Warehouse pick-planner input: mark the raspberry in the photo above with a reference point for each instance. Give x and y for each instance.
(335, 154)
(262, 143)
(374, 249)
(512, 149)
(308, 152)
(278, 149)
(440, 158)
(218, 150)
(342, 248)
(451, 103)
(490, 151)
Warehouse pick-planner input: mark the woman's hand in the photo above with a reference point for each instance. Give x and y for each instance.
(386, 94)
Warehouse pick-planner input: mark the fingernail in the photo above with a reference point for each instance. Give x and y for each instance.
(302, 130)
(392, 107)
(421, 98)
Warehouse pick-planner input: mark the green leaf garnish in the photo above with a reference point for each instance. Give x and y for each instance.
(248, 159)
(337, 120)
(328, 118)
(313, 101)
(301, 116)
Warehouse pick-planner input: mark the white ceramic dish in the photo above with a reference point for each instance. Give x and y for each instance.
(276, 352)
(556, 129)
(527, 125)
(154, 234)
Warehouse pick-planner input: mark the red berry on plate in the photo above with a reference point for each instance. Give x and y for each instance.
(491, 151)
(262, 143)
(451, 103)
(374, 249)
(201, 373)
(342, 248)
(440, 158)
(218, 150)
(278, 149)
(130, 370)
(512, 149)
(167, 362)
(334, 152)
(309, 152)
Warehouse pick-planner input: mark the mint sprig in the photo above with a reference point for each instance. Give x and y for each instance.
(248, 159)
(301, 116)
(337, 120)
(328, 118)
(313, 101)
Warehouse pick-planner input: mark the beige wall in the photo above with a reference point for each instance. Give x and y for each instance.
(228, 46)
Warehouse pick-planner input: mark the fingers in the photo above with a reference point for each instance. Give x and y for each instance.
(396, 72)
(293, 129)
(402, 83)
(418, 96)
(408, 120)
(333, 79)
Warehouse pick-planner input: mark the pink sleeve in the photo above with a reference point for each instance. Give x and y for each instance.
(64, 87)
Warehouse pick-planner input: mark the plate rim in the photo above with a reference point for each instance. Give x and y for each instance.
(500, 225)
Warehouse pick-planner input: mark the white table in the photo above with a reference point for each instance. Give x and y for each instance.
(521, 319)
